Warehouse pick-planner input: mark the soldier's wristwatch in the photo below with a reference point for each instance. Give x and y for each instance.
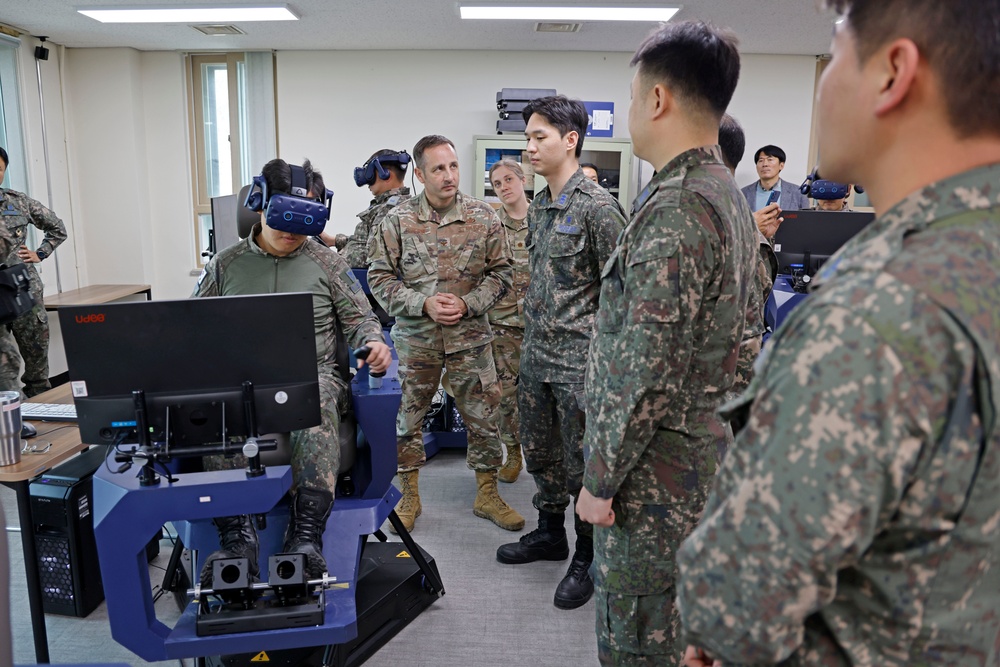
(41, 254)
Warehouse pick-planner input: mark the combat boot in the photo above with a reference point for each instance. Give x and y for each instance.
(306, 523)
(512, 466)
(237, 539)
(489, 504)
(577, 586)
(547, 542)
(408, 508)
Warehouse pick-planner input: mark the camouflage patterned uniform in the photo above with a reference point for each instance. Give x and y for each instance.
(673, 308)
(753, 334)
(569, 240)
(31, 330)
(507, 321)
(417, 254)
(10, 360)
(857, 522)
(338, 304)
(357, 251)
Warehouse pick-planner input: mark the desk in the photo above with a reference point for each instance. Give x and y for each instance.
(65, 443)
(94, 295)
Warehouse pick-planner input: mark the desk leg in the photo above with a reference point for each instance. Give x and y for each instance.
(31, 572)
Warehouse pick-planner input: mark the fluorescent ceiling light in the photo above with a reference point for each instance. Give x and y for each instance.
(204, 14)
(568, 13)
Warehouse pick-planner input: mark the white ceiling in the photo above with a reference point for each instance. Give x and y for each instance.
(763, 26)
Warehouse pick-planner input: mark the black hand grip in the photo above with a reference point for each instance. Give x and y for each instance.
(362, 353)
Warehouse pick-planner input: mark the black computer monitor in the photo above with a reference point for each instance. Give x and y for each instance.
(808, 238)
(191, 359)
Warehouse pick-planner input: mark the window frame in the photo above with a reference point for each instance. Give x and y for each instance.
(235, 68)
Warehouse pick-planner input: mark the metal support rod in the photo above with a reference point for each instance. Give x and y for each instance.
(324, 582)
(45, 157)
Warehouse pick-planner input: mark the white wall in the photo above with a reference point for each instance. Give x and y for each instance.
(129, 149)
(31, 117)
(774, 102)
(338, 107)
(120, 147)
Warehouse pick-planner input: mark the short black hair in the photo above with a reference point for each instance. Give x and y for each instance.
(589, 164)
(3, 156)
(960, 40)
(698, 62)
(430, 141)
(732, 140)
(278, 175)
(394, 167)
(770, 151)
(562, 113)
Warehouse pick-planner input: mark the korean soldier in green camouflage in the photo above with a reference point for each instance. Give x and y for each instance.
(856, 521)
(572, 227)
(732, 141)
(10, 360)
(388, 192)
(268, 261)
(672, 312)
(440, 262)
(31, 330)
(507, 317)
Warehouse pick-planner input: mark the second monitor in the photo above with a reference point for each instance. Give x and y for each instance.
(806, 239)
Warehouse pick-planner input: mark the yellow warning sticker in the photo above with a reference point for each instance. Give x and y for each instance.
(403, 554)
(260, 657)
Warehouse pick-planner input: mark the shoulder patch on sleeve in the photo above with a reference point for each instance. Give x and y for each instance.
(352, 280)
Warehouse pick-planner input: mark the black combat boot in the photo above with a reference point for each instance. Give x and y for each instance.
(577, 586)
(310, 510)
(547, 542)
(238, 539)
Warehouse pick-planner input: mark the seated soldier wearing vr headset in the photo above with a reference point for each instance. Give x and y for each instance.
(294, 205)
(384, 174)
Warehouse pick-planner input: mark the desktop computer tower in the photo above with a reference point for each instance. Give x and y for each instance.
(62, 511)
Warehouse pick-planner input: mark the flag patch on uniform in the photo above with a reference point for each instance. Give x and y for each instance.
(352, 280)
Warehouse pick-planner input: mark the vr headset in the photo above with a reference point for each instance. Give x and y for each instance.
(295, 213)
(818, 188)
(367, 173)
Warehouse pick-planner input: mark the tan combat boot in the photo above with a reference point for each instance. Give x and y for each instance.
(408, 508)
(489, 504)
(512, 466)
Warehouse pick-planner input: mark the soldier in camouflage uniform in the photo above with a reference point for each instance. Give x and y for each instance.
(672, 313)
(10, 360)
(440, 262)
(388, 192)
(31, 330)
(267, 258)
(856, 521)
(507, 317)
(572, 227)
(732, 141)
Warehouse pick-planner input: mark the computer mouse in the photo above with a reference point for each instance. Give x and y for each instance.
(28, 431)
